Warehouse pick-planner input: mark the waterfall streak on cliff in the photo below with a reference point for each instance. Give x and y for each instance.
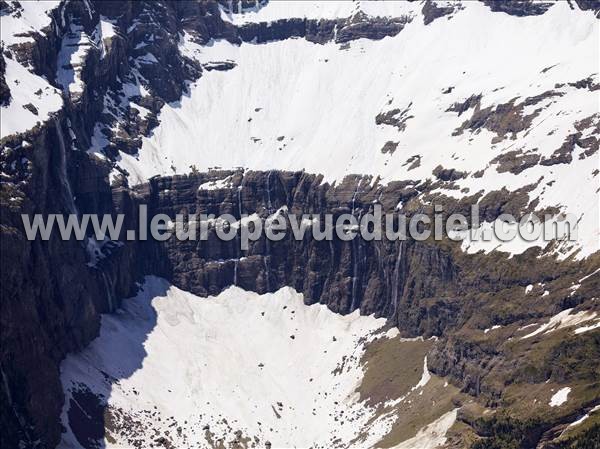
(396, 278)
(235, 272)
(269, 191)
(64, 177)
(356, 253)
(109, 293)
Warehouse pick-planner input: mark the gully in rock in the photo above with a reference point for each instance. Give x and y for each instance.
(64, 175)
(396, 280)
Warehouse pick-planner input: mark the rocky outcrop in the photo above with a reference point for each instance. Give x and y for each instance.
(324, 30)
(53, 291)
(432, 11)
(343, 275)
(4, 90)
(51, 297)
(586, 5)
(519, 8)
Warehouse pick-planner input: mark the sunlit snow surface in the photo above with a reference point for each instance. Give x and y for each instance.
(28, 89)
(33, 98)
(564, 319)
(33, 17)
(560, 397)
(266, 365)
(295, 105)
(432, 435)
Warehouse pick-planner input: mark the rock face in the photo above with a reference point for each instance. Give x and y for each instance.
(518, 7)
(431, 11)
(4, 91)
(322, 31)
(343, 275)
(420, 286)
(53, 292)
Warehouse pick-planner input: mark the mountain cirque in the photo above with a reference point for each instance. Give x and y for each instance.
(108, 105)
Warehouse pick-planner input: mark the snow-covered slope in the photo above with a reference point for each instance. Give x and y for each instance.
(491, 95)
(459, 99)
(323, 100)
(32, 17)
(236, 366)
(33, 98)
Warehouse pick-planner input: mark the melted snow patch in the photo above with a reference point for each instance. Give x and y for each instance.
(432, 435)
(560, 397)
(266, 365)
(217, 184)
(584, 417)
(562, 320)
(392, 333)
(594, 273)
(591, 327)
(425, 377)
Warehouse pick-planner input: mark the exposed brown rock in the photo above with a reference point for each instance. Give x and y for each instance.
(520, 8)
(448, 174)
(503, 119)
(431, 11)
(4, 90)
(515, 161)
(389, 147)
(394, 117)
